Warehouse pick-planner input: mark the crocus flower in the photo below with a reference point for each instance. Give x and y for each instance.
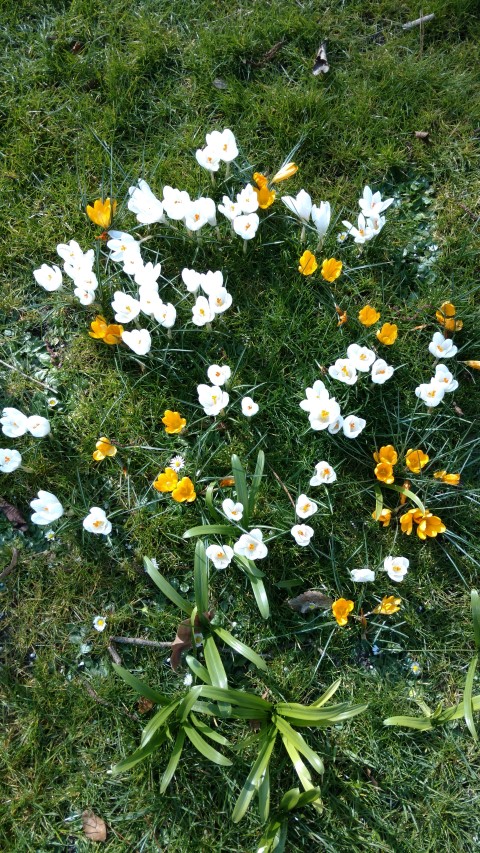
(336, 426)
(69, 252)
(362, 358)
(305, 507)
(97, 522)
(301, 206)
(444, 378)
(321, 218)
(431, 393)
(220, 300)
(353, 426)
(14, 423)
(125, 306)
(246, 226)
(175, 203)
(381, 371)
(230, 209)
(285, 172)
(396, 567)
(251, 545)
(442, 347)
(362, 575)
(212, 398)
(10, 460)
(101, 330)
(445, 316)
(219, 374)
(165, 313)
(341, 609)
(384, 517)
(211, 282)
(361, 234)
(122, 245)
(149, 299)
(265, 196)
(202, 312)
(191, 279)
(167, 481)
(223, 143)
(233, 511)
(148, 275)
(302, 533)
(102, 212)
(46, 508)
(324, 474)
(384, 472)
(184, 491)
(197, 214)
(387, 453)
(139, 341)
(450, 479)
(249, 408)
(430, 525)
(371, 204)
(220, 555)
(248, 200)
(37, 426)
(145, 204)
(324, 414)
(84, 295)
(407, 519)
(315, 395)
(50, 278)
(208, 159)
(343, 370)
(415, 460)
(388, 605)
(307, 263)
(174, 423)
(331, 269)
(388, 334)
(100, 623)
(368, 315)
(104, 448)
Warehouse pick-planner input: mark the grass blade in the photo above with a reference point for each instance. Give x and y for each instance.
(378, 501)
(256, 482)
(258, 589)
(238, 697)
(475, 602)
(166, 588)
(408, 494)
(215, 514)
(240, 647)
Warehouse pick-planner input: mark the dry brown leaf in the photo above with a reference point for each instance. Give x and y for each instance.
(13, 514)
(312, 599)
(94, 827)
(181, 643)
(144, 705)
(422, 134)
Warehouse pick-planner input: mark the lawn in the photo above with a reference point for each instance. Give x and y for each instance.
(94, 98)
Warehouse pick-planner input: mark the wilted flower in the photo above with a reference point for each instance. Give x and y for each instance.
(388, 605)
(219, 374)
(305, 507)
(381, 371)
(324, 474)
(331, 269)
(167, 481)
(415, 460)
(46, 508)
(307, 263)
(251, 545)
(396, 567)
(212, 398)
(184, 491)
(97, 522)
(449, 479)
(442, 347)
(102, 212)
(302, 533)
(220, 555)
(233, 511)
(384, 517)
(104, 448)
(445, 316)
(14, 423)
(341, 609)
(432, 393)
(342, 315)
(50, 278)
(387, 453)
(362, 575)
(343, 370)
(249, 408)
(353, 426)
(144, 204)
(174, 423)
(362, 358)
(368, 316)
(10, 460)
(139, 341)
(388, 334)
(100, 623)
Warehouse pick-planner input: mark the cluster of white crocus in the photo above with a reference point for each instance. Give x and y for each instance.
(304, 508)
(370, 219)
(15, 423)
(301, 206)
(242, 212)
(433, 392)
(324, 412)
(360, 360)
(216, 298)
(175, 205)
(221, 146)
(211, 397)
(78, 265)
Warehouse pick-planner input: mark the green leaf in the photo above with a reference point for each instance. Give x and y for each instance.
(264, 795)
(378, 501)
(300, 715)
(300, 744)
(306, 798)
(420, 723)
(200, 671)
(256, 482)
(215, 514)
(214, 663)
(272, 837)
(206, 731)
(241, 487)
(240, 647)
(475, 602)
(188, 702)
(210, 530)
(200, 575)
(205, 748)
(173, 762)
(290, 799)
(260, 594)
(329, 692)
(467, 698)
(140, 754)
(458, 710)
(248, 566)
(300, 768)
(408, 494)
(140, 687)
(158, 720)
(253, 779)
(166, 588)
(237, 697)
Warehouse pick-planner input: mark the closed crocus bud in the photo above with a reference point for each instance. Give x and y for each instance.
(50, 278)
(321, 218)
(138, 341)
(38, 426)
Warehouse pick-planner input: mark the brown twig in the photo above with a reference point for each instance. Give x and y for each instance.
(26, 376)
(283, 487)
(10, 568)
(114, 654)
(137, 641)
(418, 22)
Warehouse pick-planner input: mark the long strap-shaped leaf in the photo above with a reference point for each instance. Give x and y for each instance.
(200, 576)
(140, 687)
(256, 482)
(205, 748)
(158, 720)
(300, 744)
(196, 667)
(238, 697)
(475, 602)
(329, 692)
(209, 530)
(408, 494)
(140, 754)
(206, 731)
(241, 487)
(240, 647)
(214, 663)
(173, 762)
(467, 698)
(300, 768)
(264, 795)
(253, 779)
(165, 587)
(301, 715)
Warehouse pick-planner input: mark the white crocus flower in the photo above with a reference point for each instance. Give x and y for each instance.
(324, 474)
(132, 261)
(201, 312)
(321, 218)
(325, 414)
(444, 379)
(50, 278)
(233, 511)
(38, 427)
(249, 408)
(314, 396)
(125, 306)
(396, 567)
(210, 210)
(147, 275)
(247, 199)
(80, 267)
(10, 460)
(87, 280)
(220, 300)
(46, 508)
(361, 357)
(251, 545)
(223, 143)
(191, 279)
(139, 341)
(353, 426)
(219, 374)
(145, 204)
(336, 426)
(220, 555)
(97, 522)
(362, 575)
(70, 252)
(196, 215)
(14, 423)
(343, 370)
(149, 299)
(376, 224)
(381, 371)
(301, 206)
(431, 393)
(175, 203)
(165, 313)
(230, 209)
(84, 295)
(305, 507)
(246, 226)
(120, 244)
(211, 282)
(212, 398)
(302, 533)
(100, 623)
(208, 159)
(371, 204)
(442, 347)
(363, 233)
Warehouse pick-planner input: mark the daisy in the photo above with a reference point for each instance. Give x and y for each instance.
(177, 463)
(100, 623)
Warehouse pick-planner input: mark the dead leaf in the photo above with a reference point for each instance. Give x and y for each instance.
(181, 643)
(422, 134)
(227, 481)
(94, 827)
(220, 84)
(321, 65)
(312, 599)
(458, 409)
(13, 514)
(420, 328)
(268, 56)
(342, 315)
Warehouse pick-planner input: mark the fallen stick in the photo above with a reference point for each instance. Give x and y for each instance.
(136, 641)
(11, 566)
(418, 22)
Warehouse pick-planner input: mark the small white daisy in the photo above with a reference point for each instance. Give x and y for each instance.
(188, 680)
(52, 402)
(342, 237)
(177, 463)
(49, 535)
(100, 623)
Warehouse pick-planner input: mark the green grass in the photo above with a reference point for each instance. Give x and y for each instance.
(95, 96)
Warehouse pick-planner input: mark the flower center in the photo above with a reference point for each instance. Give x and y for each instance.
(324, 413)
